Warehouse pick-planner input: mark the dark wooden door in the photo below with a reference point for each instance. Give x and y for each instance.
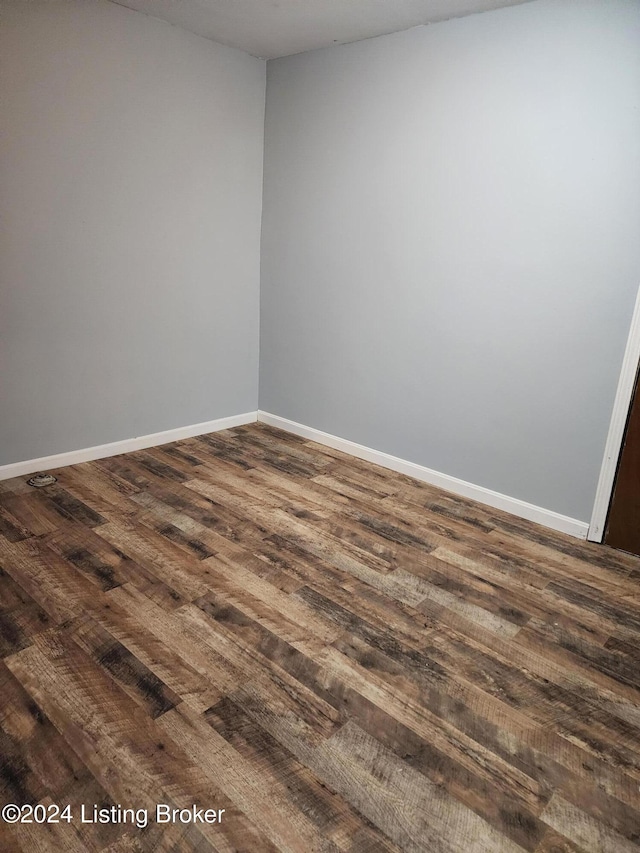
(623, 522)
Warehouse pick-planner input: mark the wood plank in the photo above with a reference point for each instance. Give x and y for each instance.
(286, 827)
(30, 513)
(129, 754)
(592, 835)
(416, 814)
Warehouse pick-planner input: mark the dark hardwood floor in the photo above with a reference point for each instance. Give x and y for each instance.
(337, 656)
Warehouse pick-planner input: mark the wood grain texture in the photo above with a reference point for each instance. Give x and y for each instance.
(340, 657)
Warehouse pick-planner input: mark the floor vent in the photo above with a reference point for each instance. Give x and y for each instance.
(40, 480)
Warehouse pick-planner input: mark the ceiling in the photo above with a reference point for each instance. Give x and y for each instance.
(272, 28)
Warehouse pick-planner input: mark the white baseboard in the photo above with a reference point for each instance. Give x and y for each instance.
(522, 509)
(537, 514)
(101, 451)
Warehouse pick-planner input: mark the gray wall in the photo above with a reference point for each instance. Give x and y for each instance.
(450, 242)
(130, 205)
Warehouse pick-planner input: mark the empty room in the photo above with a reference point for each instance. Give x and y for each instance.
(319, 426)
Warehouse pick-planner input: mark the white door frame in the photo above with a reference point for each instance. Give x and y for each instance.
(616, 428)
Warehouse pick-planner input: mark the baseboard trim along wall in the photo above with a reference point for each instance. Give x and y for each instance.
(101, 451)
(522, 509)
